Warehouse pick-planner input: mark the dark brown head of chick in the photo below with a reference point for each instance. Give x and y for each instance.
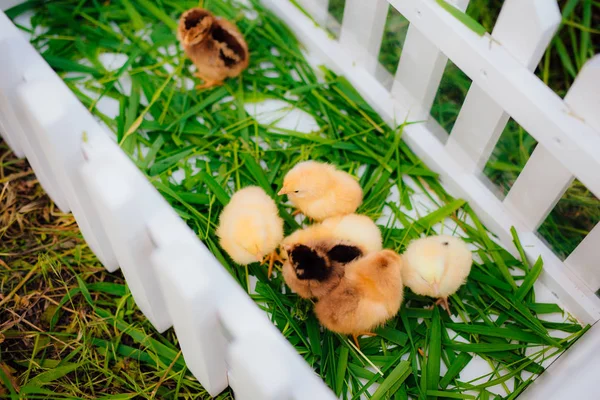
(214, 45)
(318, 269)
(194, 26)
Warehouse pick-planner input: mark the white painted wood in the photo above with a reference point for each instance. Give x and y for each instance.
(574, 375)
(585, 259)
(58, 121)
(519, 83)
(17, 57)
(421, 69)
(318, 9)
(524, 96)
(538, 188)
(6, 4)
(192, 281)
(545, 179)
(8, 129)
(260, 368)
(362, 30)
(125, 200)
(283, 375)
(525, 28)
(583, 98)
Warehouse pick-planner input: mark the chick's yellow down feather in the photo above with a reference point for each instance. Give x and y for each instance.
(355, 229)
(321, 191)
(249, 226)
(369, 294)
(436, 266)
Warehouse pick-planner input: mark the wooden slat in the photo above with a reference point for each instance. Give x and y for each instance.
(362, 30)
(525, 28)
(538, 188)
(583, 100)
(318, 9)
(420, 69)
(585, 259)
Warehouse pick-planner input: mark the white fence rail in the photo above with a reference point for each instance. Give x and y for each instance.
(226, 339)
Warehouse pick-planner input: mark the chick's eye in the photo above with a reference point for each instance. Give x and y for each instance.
(296, 191)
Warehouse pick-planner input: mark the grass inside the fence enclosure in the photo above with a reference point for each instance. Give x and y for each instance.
(73, 329)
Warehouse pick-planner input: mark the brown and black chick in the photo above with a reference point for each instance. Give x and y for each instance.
(214, 45)
(315, 269)
(369, 293)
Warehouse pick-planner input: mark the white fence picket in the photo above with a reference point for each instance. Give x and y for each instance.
(126, 200)
(20, 62)
(282, 375)
(259, 368)
(421, 69)
(538, 188)
(362, 30)
(525, 28)
(584, 259)
(59, 123)
(8, 125)
(191, 289)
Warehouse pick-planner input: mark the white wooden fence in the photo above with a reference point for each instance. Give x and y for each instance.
(226, 339)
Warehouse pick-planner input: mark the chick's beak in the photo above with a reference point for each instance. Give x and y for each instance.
(282, 192)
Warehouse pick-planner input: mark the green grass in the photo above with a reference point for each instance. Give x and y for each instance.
(100, 345)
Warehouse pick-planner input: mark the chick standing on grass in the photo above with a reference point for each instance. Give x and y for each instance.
(320, 191)
(437, 266)
(250, 227)
(369, 294)
(214, 45)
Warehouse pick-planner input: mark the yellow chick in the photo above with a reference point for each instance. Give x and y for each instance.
(437, 266)
(368, 295)
(321, 191)
(312, 270)
(250, 227)
(214, 45)
(356, 229)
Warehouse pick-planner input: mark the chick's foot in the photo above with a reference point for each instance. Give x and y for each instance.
(443, 302)
(273, 257)
(357, 335)
(207, 82)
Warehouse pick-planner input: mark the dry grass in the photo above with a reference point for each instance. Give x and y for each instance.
(53, 342)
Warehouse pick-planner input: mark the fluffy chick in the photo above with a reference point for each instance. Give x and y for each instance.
(437, 266)
(315, 269)
(321, 191)
(358, 230)
(369, 294)
(214, 45)
(250, 227)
